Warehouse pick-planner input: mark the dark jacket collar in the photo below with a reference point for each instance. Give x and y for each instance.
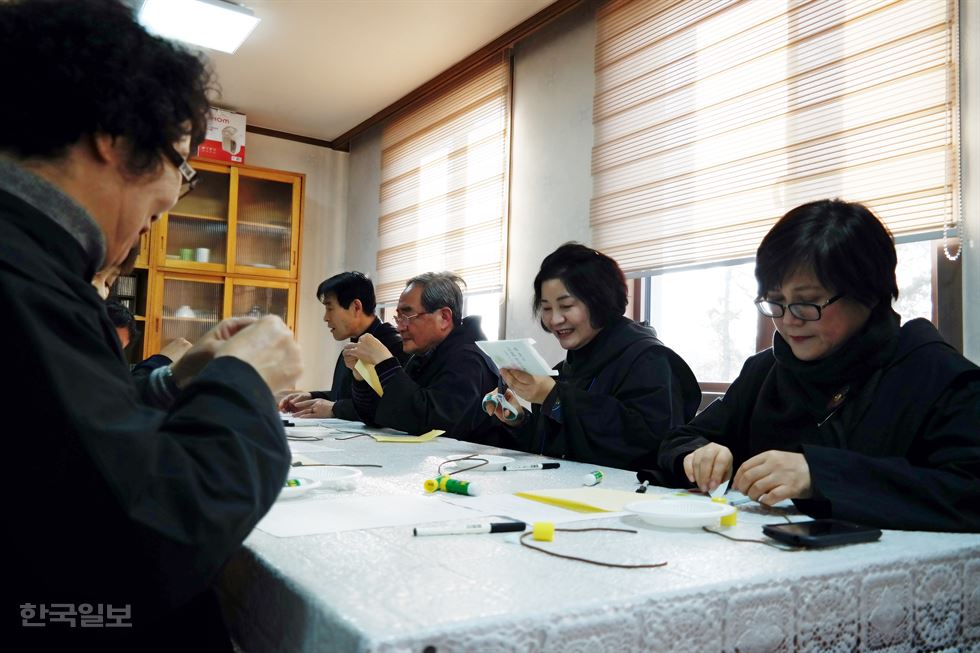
(465, 333)
(58, 207)
(375, 326)
(609, 344)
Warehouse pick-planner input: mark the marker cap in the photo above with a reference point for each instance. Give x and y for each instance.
(543, 531)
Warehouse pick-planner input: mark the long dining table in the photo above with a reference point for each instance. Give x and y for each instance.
(338, 568)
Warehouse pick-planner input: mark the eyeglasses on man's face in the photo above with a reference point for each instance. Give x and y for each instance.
(801, 310)
(403, 318)
(188, 174)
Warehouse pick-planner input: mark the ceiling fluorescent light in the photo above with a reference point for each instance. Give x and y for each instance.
(213, 24)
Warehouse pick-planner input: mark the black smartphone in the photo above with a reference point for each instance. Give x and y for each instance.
(821, 532)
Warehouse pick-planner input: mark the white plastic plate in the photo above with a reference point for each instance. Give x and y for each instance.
(332, 478)
(293, 491)
(680, 513)
(494, 463)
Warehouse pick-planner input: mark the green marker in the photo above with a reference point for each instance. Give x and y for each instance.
(592, 478)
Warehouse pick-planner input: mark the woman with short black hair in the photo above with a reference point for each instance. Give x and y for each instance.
(619, 388)
(849, 414)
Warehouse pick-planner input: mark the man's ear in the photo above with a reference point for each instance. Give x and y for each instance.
(107, 149)
(446, 316)
(356, 306)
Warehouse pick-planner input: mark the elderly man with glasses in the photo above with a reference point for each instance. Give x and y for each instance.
(447, 373)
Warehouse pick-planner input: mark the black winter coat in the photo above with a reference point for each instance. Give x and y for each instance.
(432, 391)
(113, 502)
(614, 400)
(904, 453)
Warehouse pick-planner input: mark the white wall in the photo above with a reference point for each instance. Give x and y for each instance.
(323, 241)
(551, 158)
(364, 205)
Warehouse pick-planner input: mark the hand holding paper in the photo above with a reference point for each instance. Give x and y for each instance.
(533, 388)
(368, 349)
(363, 355)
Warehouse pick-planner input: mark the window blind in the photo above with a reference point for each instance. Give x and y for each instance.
(714, 117)
(444, 186)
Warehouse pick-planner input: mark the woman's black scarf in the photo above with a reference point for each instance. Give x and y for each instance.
(797, 396)
(582, 365)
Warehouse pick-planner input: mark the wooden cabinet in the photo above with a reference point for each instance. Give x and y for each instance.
(229, 248)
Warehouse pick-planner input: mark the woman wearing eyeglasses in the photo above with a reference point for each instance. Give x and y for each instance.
(619, 389)
(849, 414)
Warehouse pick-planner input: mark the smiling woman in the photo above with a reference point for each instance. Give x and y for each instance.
(848, 414)
(619, 389)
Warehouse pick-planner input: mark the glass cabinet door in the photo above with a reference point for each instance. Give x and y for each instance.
(143, 259)
(188, 307)
(195, 232)
(257, 298)
(266, 238)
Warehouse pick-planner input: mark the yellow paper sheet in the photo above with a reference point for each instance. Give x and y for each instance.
(369, 374)
(425, 437)
(587, 499)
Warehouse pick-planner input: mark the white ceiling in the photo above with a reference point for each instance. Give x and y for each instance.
(318, 68)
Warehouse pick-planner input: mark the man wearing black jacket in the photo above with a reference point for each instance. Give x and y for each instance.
(447, 373)
(123, 515)
(348, 301)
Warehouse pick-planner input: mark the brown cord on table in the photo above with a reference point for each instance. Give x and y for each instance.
(591, 562)
(474, 457)
(775, 545)
(351, 437)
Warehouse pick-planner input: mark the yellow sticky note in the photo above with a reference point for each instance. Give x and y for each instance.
(369, 374)
(425, 437)
(587, 499)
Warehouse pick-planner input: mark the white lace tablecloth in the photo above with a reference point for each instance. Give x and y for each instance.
(383, 590)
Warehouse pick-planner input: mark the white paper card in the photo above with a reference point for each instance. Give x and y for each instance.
(332, 514)
(516, 354)
(308, 447)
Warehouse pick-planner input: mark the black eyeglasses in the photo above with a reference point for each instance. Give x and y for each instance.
(405, 319)
(800, 310)
(187, 173)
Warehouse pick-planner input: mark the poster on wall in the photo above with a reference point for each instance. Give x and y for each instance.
(225, 140)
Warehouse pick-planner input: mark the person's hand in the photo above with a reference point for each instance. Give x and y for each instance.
(709, 466)
(368, 349)
(313, 408)
(268, 346)
(288, 403)
(492, 406)
(350, 362)
(176, 348)
(773, 476)
(203, 351)
(534, 389)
